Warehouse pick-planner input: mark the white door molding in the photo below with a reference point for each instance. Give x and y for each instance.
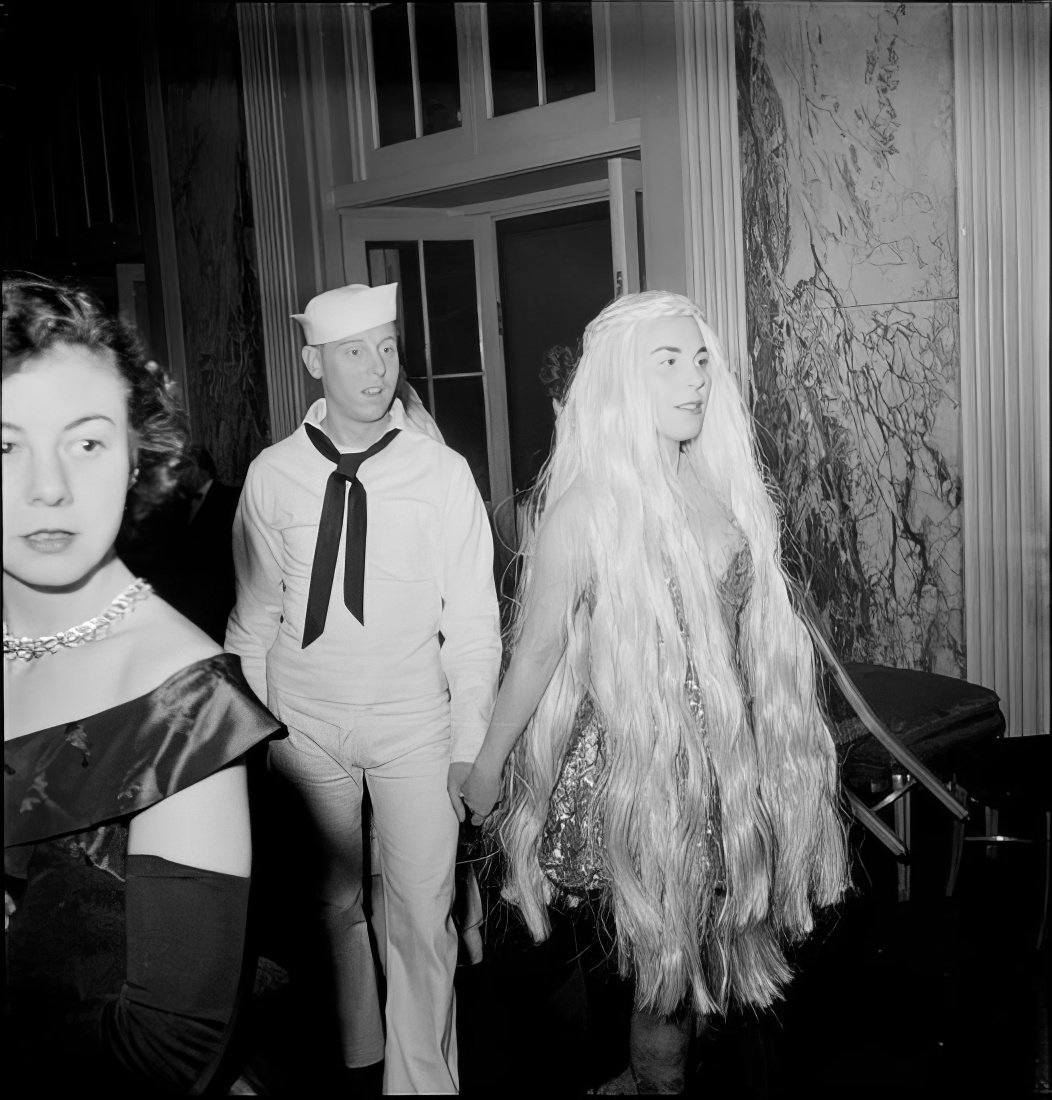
(626, 181)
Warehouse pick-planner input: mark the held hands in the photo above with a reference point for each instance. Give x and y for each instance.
(458, 772)
(472, 790)
(480, 793)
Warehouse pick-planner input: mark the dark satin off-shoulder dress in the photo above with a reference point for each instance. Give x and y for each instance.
(122, 971)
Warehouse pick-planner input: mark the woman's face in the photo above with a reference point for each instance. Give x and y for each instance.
(66, 465)
(676, 366)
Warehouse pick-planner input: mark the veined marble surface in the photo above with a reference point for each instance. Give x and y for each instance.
(846, 133)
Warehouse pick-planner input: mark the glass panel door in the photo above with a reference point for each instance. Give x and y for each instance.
(447, 321)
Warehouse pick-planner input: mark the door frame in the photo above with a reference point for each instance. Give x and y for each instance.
(478, 222)
(357, 227)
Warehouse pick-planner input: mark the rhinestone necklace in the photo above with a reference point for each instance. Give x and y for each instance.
(27, 649)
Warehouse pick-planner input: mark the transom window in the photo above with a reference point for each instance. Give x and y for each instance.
(537, 54)
(416, 73)
(531, 55)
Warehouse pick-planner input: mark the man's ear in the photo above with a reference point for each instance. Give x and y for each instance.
(312, 360)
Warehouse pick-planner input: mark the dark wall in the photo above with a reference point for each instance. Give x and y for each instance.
(79, 189)
(77, 198)
(200, 70)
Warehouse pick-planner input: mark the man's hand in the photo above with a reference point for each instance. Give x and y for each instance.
(458, 772)
(480, 792)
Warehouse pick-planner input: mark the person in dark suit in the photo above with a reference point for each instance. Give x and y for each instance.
(185, 552)
(207, 572)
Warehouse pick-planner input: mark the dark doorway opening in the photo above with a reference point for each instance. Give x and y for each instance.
(555, 275)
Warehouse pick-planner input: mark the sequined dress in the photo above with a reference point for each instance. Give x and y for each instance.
(571, 852)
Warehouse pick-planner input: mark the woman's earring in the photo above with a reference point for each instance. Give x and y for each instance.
(134, 477)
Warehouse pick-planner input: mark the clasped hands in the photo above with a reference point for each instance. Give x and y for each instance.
(473, 789)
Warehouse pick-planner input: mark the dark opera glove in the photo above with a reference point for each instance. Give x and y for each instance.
(185, 936)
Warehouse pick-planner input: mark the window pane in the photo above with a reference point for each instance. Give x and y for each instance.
(569, 58)
(436, 51)
(398, 262)
(392, 72)
(452, 307)
(512, 57)
(460, 411)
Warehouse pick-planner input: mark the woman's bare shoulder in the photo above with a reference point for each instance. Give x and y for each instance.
(163, 642)
(566, 529)
(575, 507)
(144, 650)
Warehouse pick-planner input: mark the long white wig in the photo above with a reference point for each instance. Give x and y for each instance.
(684, 935)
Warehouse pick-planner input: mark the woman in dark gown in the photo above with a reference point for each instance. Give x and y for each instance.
(674, 768)
(127, 846)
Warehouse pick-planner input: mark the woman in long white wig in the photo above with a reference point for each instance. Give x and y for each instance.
(669, 759)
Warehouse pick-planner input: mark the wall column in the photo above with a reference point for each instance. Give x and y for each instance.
(275, 232)
(1001, 72)
(712, 203)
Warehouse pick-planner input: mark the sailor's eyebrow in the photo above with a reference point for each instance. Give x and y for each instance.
(354, 341)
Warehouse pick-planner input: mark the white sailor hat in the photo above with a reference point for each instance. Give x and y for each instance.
(340, 313)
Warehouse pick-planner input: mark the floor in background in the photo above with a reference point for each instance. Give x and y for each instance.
(933, 997)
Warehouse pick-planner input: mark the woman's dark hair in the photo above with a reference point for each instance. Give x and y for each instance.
(40, 315)
(557, 371)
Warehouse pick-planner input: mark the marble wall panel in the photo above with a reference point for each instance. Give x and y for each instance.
(845, 118)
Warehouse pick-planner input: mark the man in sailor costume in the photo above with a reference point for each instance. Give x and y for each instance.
(366, 620)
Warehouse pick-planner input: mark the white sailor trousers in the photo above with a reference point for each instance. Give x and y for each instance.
(402, 751)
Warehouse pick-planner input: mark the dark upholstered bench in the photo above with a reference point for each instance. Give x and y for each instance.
(931, 716)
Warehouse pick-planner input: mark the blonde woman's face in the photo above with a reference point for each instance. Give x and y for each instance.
(678, 374)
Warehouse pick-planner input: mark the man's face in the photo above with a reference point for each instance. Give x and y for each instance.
(358, 373)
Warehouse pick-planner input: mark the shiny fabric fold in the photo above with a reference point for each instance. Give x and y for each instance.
(71, 777)
(123, 970)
